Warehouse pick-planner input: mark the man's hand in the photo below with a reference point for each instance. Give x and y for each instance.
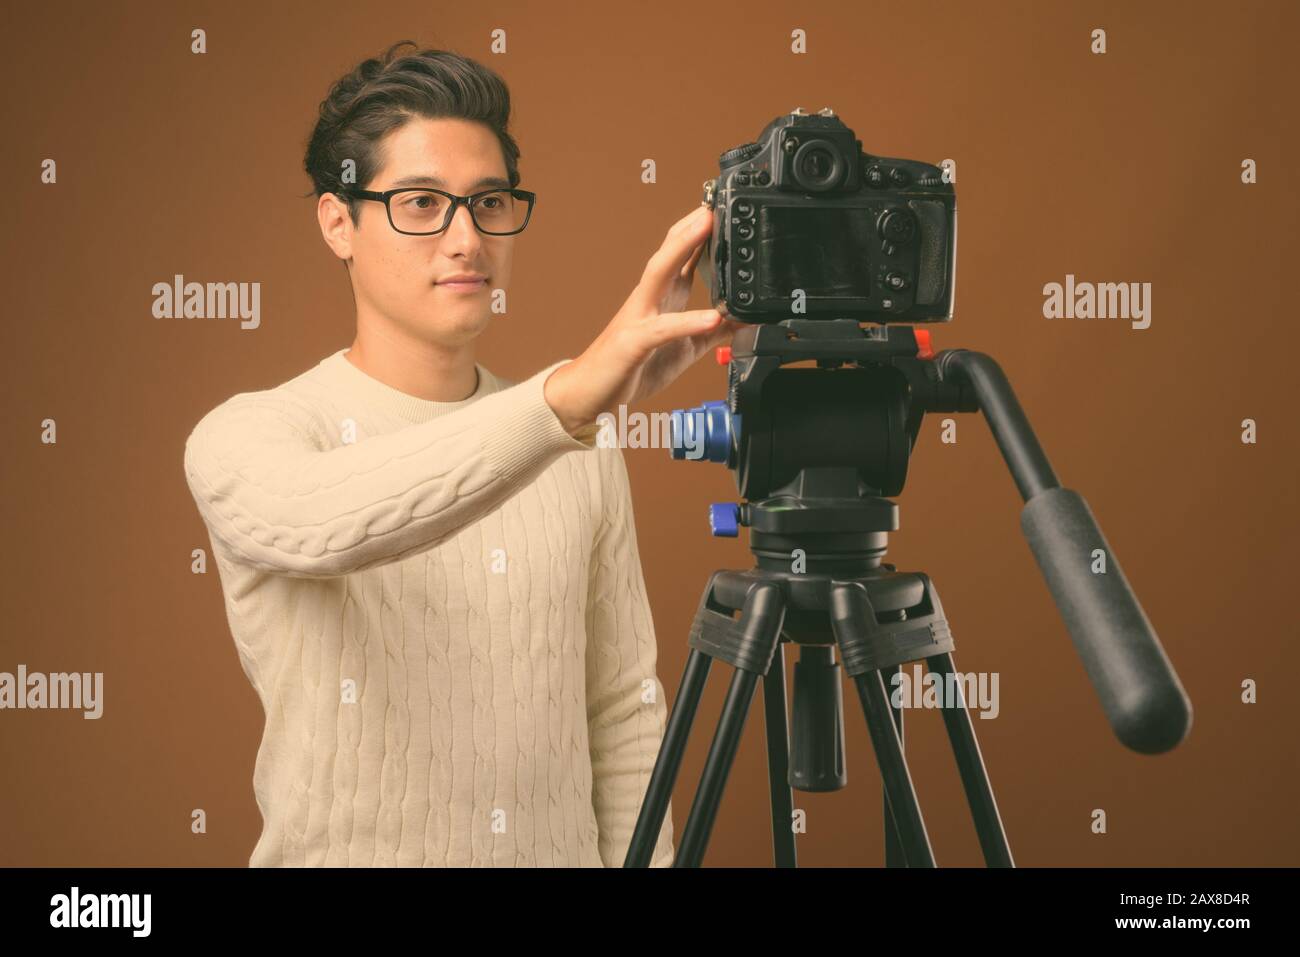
(649, 343)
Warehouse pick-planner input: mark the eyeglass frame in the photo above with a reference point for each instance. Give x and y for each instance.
(456, 203)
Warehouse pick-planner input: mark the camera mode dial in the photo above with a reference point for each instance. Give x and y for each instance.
(739, 154)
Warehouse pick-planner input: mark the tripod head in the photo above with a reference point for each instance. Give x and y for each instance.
(817, 452)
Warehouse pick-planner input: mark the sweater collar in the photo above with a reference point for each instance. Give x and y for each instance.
(343, 376)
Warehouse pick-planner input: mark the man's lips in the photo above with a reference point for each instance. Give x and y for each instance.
(463, 285)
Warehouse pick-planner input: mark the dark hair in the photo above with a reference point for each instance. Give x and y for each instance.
(384, 93)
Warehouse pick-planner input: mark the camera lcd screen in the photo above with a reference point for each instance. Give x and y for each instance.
(823, 251)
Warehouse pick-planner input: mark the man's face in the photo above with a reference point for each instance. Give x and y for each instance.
(402, 280)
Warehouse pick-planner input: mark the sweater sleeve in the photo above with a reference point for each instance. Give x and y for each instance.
(626, 707)
(281, 504)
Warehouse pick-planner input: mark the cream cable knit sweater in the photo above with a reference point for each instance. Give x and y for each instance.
(444, 616)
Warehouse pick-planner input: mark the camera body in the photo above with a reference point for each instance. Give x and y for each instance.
(807, 225)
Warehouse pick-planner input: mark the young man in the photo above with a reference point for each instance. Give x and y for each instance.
(442, 610)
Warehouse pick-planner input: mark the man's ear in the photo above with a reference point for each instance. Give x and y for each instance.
(335, 225)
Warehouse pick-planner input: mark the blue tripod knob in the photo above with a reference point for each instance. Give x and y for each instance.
(704, 433)
(724, 519)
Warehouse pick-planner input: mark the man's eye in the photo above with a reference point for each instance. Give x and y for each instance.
(420, 201)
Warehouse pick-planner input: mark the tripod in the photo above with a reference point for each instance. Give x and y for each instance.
(823, 448)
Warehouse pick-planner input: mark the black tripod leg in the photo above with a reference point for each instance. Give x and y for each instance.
(974, 777)
(778, 762)
(893, 844)
(851, 613)
(669, 762)
(722, 752)
(899, 792)
(759, 632)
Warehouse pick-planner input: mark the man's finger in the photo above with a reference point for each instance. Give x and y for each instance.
(689, 268)
(672, 256)
(681, 223)
(725, 331)
(677, 325)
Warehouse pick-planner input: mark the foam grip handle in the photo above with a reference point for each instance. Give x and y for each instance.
(1139, 691)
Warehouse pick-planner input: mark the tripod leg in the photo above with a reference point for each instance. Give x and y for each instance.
(668, 763)
(974, 777)
(758, 631)
(849, 610)
(704, 810)
(900, 793)
(778, 762)
(894, 856)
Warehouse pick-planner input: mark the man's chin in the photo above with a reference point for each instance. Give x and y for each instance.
(463, 328)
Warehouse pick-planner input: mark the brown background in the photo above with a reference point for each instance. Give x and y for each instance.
(1122, 167)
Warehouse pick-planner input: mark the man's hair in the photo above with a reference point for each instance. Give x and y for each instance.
(383, 93)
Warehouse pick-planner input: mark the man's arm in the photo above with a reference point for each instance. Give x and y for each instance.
(626, 707)
(281, 504)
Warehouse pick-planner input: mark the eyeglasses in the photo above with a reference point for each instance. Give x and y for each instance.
(424, 211)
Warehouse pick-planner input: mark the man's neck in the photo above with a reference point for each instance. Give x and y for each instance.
(415, 367)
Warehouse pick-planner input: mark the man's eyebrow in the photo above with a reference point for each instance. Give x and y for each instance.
(423, 180)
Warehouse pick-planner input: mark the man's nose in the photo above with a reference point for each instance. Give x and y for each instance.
(461, 233)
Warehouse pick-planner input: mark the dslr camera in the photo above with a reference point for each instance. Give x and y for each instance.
(807, 225)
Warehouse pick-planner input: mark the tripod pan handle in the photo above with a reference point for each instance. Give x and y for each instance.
(1146, 705)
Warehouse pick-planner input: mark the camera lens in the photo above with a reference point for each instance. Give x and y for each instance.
(817, 166)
